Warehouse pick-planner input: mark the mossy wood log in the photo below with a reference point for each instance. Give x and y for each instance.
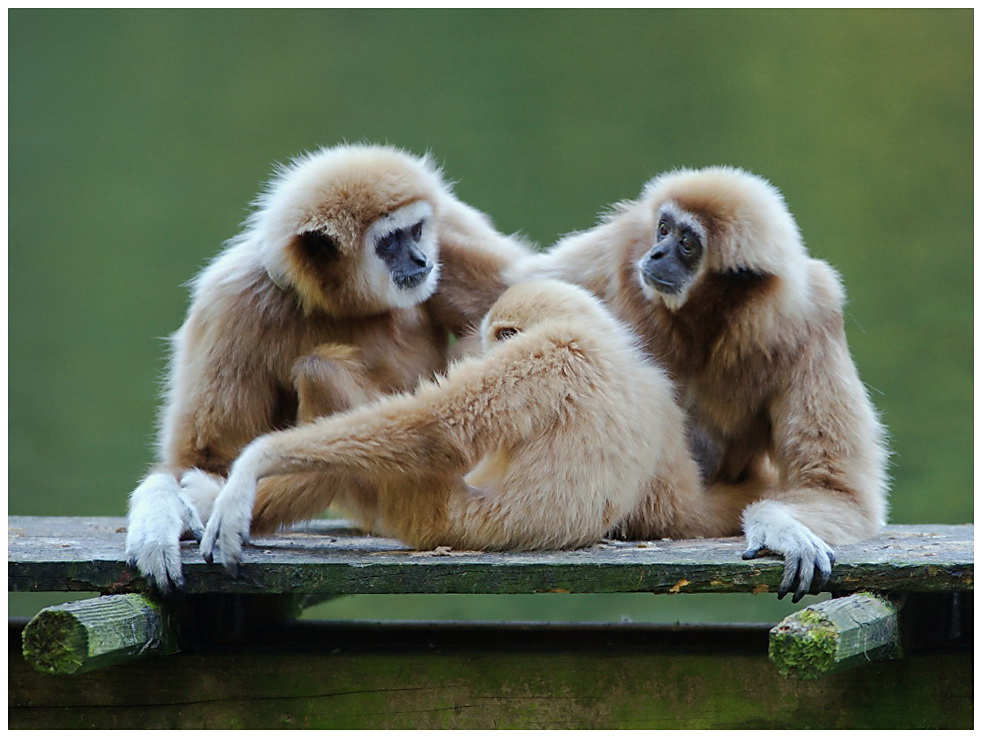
(329, 557)
(91, 634)
(337, 675)
(832, 636)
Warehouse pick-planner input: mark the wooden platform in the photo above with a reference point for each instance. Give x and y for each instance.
(329, 675)
(330, 557)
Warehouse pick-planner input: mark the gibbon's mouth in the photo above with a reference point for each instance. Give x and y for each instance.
(409, 281)
(668, 288)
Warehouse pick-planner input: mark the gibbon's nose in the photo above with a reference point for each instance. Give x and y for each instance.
(657, 253)
(419, 259)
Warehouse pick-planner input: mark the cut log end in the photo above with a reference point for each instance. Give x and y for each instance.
(835, 635)
(89, 634)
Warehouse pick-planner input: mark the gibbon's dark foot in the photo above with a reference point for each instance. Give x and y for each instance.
(803, 574)
(806, 575)
(161, 585)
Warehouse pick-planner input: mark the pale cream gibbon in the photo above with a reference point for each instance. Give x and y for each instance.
(344, 284)
(709, 268)
(559, 432)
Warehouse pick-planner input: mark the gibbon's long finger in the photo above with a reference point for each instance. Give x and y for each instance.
(806, 572)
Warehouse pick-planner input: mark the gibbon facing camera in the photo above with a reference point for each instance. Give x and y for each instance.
(356, 264)
(709, 268)
(559, 432)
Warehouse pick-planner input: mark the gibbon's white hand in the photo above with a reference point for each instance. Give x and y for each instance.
(159, 515)
(808, 560)
(228, 526)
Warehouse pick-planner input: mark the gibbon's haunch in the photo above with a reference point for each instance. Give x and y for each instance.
(343, 286)
(562, 430)
(709, 268)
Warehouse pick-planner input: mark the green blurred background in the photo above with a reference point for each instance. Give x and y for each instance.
(137, 140)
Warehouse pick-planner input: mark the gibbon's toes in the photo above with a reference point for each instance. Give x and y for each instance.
(207, 544)
(165, 574)
(752, 553)
(806, 574)
(233, 567)
(159, 563)
(216, 538)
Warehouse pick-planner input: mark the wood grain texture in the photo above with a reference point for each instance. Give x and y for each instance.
(92, 634)
(330, 557)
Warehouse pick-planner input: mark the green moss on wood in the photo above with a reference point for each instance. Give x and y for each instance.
(835, 635)
(804, 646)
(86, 635)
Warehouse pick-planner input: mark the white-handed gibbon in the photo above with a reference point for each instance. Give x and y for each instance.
(709, 268)
(559, 432)
(356, 263)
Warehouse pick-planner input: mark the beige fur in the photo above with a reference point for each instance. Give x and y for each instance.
(281, 329)
(758, 349)
(556, 435)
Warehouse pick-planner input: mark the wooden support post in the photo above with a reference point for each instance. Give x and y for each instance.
(835, 635)
(81, 636)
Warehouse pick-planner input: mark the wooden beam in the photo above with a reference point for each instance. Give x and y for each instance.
(470, 677)
(330, 557)
(835, 635)
(90, 634)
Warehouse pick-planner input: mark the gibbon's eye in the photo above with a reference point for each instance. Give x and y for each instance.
(504, 333)
(685, 245)
(663, 229)
(320, 243)
(388, 242)
(417, 231)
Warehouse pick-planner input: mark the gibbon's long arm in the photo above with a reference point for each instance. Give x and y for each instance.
(442, 430)
(203, 427)
(828, 448)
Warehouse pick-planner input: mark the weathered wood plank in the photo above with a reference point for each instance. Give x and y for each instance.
(325, 556)
(336, 675)
(91, 634)
(832, 636)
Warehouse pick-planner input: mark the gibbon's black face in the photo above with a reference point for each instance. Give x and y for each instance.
(671, 265)
(399, 250)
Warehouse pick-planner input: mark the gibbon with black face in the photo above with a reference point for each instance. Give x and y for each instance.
(709, 268)
(502, 452)
(343, 286)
